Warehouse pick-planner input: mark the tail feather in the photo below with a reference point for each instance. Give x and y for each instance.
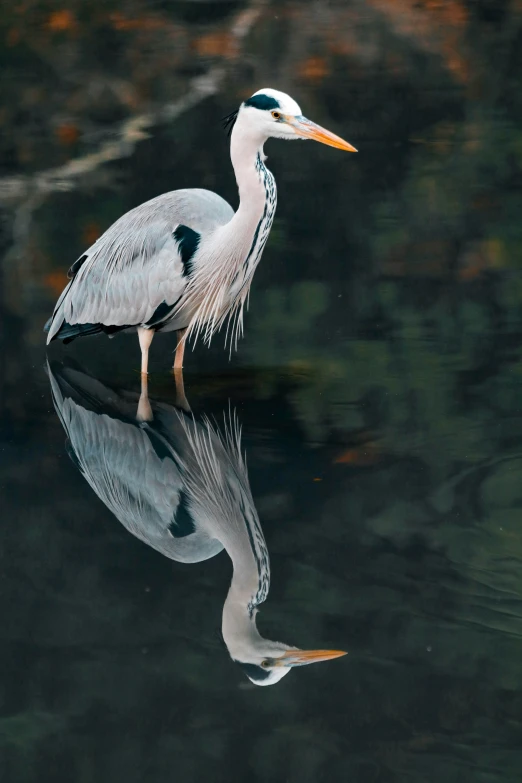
(69, 332)
(56, 321)
(70, 380)
(58, 328)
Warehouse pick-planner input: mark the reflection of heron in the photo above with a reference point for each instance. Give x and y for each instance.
(185, 259)
(182, 488)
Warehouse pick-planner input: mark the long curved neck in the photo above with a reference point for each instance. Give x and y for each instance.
(252, 177)
(227, 257)
(247, 232)
(249, 587)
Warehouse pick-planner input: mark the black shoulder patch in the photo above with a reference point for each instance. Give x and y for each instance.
(263, 102)
(182, 524)
(76, 266)
(161, 450)
(188, 241)
(256, 673)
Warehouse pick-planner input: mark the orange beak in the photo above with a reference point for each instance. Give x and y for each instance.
(304, 657)
(309, 130)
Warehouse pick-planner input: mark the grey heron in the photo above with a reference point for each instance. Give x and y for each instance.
(181, 487)
(185, 260)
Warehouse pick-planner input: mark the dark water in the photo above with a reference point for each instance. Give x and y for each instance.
(378, 386)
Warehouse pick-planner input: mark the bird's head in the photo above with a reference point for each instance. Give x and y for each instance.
(268, 662)
(272, 114)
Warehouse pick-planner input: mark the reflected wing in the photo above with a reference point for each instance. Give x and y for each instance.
(134, 471)
(138, 269)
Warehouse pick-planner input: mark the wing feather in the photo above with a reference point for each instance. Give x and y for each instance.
(136, 264)
(135, 471)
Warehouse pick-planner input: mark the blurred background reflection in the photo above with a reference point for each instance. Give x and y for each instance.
(379, 385)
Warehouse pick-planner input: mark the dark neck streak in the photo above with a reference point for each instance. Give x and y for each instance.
(259, 551)
(265, 224)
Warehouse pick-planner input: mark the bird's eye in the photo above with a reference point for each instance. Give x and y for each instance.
(265, 664)
(276, 115)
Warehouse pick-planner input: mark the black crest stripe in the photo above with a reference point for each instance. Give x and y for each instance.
(263, 102)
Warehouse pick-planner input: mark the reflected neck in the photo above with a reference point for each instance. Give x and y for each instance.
(239, 629)
(249, 586)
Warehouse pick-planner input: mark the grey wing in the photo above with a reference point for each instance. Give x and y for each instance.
(135, 479)
(136, 265)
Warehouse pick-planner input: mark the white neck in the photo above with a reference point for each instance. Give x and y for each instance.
(247, 549)
(238, 626)
(246, 149)
(228, 256)
(247, 232)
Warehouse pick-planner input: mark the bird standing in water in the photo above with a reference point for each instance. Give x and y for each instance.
(185, 260)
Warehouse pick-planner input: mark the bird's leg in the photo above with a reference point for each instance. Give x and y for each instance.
(144, 412)
(181, 400)
(145, 337)
(180, 350)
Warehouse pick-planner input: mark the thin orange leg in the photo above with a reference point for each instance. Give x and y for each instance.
(144, 412)
(145, 337)
(181, 400)
(180, 350)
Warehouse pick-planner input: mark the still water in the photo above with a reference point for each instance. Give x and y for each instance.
(378, 390)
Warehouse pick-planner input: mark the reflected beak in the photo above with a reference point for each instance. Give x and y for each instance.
(309, 130)
(304, 657)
